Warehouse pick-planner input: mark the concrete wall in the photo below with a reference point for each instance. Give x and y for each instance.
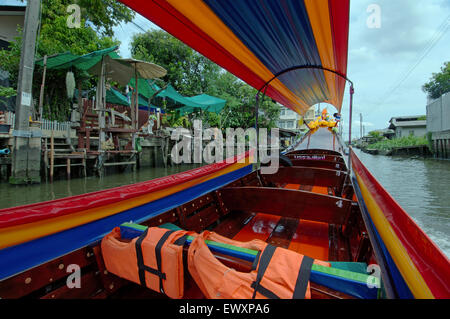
(438, 114)
(438, 123)
(404, 131)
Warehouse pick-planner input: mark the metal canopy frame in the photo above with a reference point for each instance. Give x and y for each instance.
(300, 67)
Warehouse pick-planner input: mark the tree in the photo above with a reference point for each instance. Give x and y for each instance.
(6, 92)
(189, 72)
(240, 110)
(98, 17)
(439, 83)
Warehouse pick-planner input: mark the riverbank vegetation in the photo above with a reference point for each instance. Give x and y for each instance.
(407, 141)
(95, 32)
(189, 72)
(439, 83)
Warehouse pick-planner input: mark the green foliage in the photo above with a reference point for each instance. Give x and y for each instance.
(102, 15)
(209, 119)
(174, 119)
(377, 136)
(439, 83)
(429, 137)
(190, 73)
(399, 142)
(240, 109)
(10, 59)
(6, 92)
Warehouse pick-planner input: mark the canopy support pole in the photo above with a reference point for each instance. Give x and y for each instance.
(136, 118)
(135, 110)
(154, 95)
(352, 90)
(41, 93)
(100, 105)
(299, 67)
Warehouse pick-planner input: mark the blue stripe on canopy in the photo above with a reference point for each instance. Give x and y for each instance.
(16, 259)
(279, 39)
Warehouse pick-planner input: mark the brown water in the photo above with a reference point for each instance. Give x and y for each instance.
(421, 187)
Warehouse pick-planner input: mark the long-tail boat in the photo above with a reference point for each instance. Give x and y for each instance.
(323, 211)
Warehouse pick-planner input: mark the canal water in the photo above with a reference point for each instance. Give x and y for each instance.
(421, 187)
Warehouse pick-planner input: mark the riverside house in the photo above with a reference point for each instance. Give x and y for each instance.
(409, 125)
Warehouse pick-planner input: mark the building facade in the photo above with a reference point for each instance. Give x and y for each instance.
(290, 120)
(404, 126)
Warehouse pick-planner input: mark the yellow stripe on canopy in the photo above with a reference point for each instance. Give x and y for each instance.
(206, 20)
(319, 16)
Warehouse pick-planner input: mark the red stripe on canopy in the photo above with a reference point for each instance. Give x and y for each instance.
(168, 18)
(339, 16)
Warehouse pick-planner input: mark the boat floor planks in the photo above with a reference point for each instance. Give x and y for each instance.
(311, 239)
(283, 233)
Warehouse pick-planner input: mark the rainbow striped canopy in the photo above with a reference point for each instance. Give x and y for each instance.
(257, 39)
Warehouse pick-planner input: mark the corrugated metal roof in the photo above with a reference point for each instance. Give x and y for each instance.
(408, 123)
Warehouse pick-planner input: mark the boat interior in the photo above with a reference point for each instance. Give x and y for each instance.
(308, 206)
(322, 203)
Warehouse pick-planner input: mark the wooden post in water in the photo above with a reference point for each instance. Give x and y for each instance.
(68, 168)
(52, 156)
(84, 163)
(101, 106)
(45, 159)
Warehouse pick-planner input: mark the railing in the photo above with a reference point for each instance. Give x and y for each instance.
(55, 125)
(45, 124)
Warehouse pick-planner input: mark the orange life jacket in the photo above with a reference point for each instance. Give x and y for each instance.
(276, 273)
(154, 259)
